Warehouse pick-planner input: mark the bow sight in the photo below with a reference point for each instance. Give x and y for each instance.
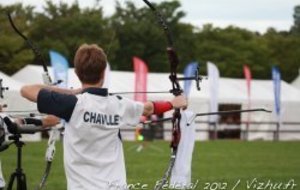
(197, 78)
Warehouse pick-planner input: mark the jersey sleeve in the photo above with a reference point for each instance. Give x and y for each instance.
(54, 103)
(133, 112)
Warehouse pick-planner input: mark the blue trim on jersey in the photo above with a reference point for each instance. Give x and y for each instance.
(62, 105)
(96, 91)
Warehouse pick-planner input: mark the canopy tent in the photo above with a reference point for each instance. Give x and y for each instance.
(15, 102)
(12, 96)
(232, 91)
(119, 81)
(296, 82)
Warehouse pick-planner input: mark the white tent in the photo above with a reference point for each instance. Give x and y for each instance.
(12, 96)
(15, 102)
(296, 82)
(119, 81)
(232, 91)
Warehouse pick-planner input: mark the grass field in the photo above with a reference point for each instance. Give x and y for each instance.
(214, 163)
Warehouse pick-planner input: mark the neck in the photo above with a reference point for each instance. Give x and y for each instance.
(97, 85)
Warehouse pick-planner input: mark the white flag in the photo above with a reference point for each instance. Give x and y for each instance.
(213, 79)
(182, 170)
(106, 83)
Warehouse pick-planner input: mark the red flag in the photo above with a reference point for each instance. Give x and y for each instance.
(141, 72)
(248, 77)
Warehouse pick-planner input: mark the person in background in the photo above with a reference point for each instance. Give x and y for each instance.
(47, 121)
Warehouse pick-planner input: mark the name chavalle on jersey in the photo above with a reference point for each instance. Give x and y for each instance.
(101, 119)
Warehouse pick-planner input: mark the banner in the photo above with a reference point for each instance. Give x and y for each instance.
(60, 67)
(213, 79)
(141, 72)
(106, 82)
(248, 77)
(277, 89)
(189, 71)
(181, 176)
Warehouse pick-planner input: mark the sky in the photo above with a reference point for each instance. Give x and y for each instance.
(254, 15)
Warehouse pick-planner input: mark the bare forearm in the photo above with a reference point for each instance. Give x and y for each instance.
(159, 107)
(50, 121)
(148, 109)
(62, 90)
(31, 92)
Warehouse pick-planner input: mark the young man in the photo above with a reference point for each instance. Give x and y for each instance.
(93, 152)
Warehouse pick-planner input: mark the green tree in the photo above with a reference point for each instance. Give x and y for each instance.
(231, 48)
(14, 52)
(65, 27)
(285, 52)
(139, 34)
(296, 27)
(134, 31)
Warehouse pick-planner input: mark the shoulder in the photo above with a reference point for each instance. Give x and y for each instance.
(58, 104)
(52, 96)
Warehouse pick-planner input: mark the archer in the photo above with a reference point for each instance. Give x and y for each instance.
(93, 151)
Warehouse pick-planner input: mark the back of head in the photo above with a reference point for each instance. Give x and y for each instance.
(90, 63)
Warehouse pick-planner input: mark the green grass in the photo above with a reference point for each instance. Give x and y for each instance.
(217, 161)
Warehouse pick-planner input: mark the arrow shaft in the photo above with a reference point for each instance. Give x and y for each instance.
(141, 92)
(232, 112)
(211, 113)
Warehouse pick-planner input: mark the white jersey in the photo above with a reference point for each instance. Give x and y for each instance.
(93, 151)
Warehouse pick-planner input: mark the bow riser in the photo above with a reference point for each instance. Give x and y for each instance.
(176, 91)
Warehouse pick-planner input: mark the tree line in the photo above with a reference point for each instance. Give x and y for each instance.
(133, 31)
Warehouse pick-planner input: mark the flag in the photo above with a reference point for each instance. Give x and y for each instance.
(248, 76)
(60, 67)
(213, 79)
(189, 71)
(181, 175)
(106, 82)
(277, 89)
(141, 72)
